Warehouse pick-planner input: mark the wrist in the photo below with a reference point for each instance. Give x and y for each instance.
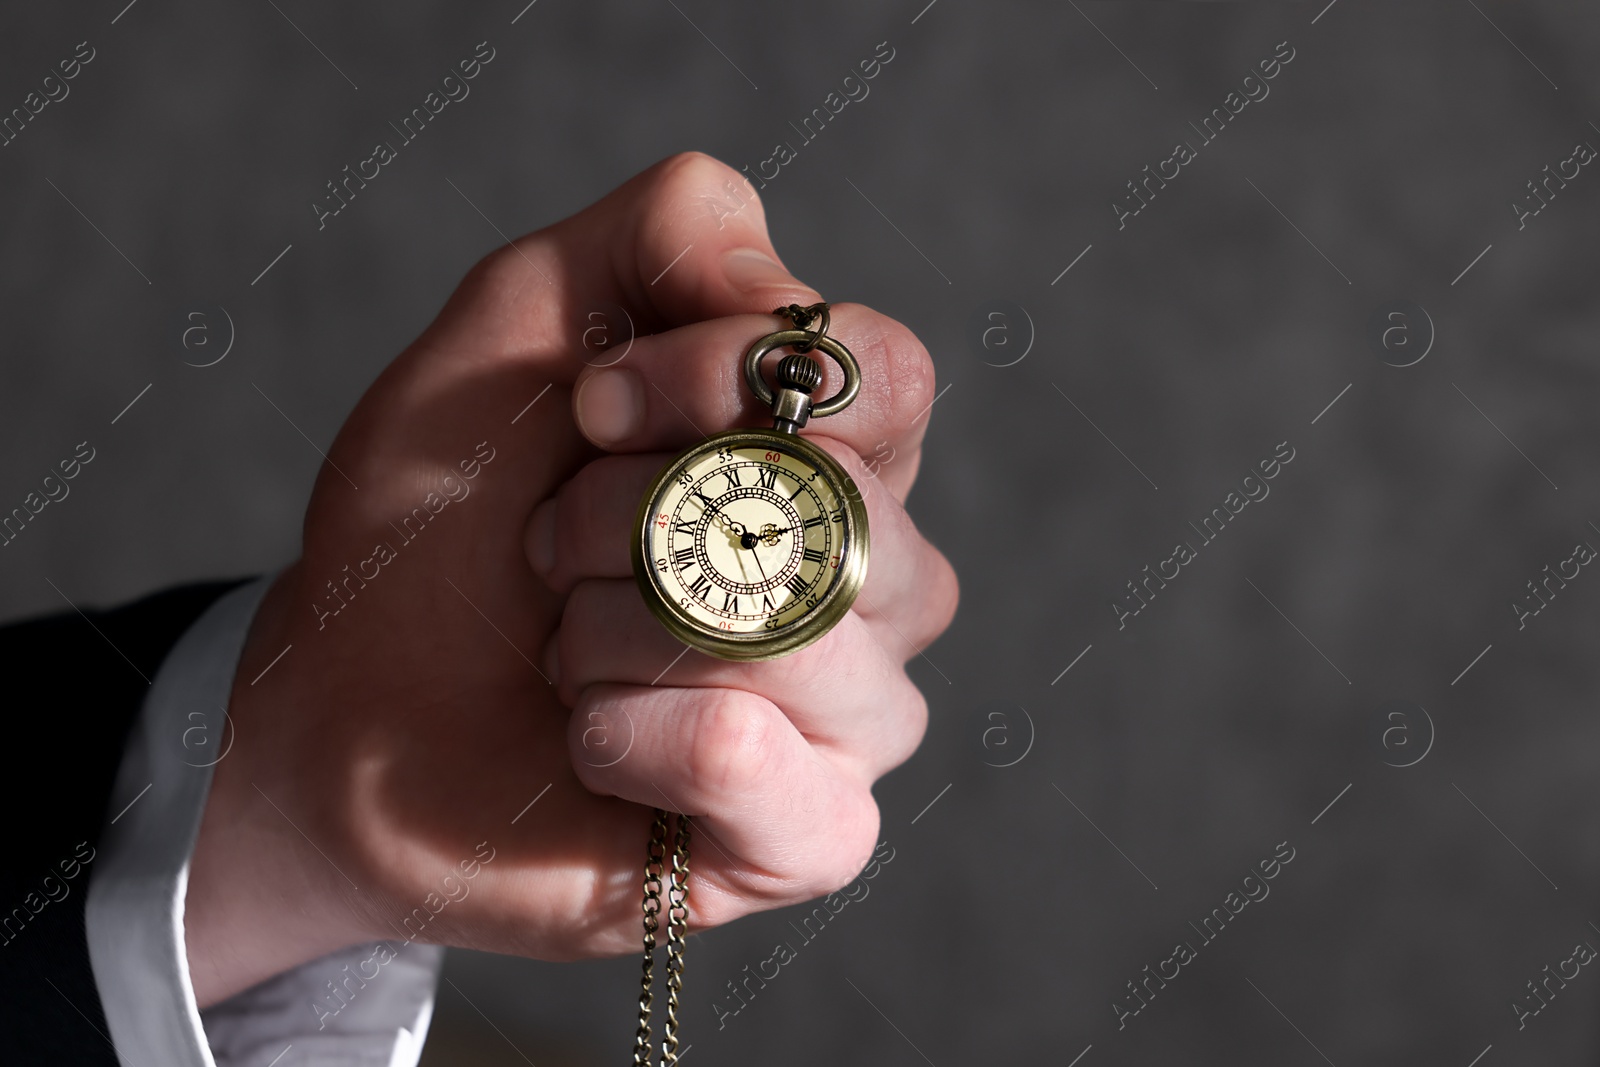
(256, 903)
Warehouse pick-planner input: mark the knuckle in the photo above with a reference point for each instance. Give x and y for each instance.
(905, 740)
(688, 180)
(693, 167)
(501, 271)
(799, 671)
(731, 746)
(848, 846)
(944, 594)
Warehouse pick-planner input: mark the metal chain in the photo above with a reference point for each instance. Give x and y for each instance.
(655, 855)
(677, 928)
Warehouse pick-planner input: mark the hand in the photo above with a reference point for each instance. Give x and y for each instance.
(736, 532)
(730, 526)
(381, 778)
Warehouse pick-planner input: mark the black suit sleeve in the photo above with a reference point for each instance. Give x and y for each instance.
(71, 697)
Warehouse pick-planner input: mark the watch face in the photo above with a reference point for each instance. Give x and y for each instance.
(754, 544)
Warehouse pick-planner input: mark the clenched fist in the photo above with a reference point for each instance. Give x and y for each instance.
(467, 636)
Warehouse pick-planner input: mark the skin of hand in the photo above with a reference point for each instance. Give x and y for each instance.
(504, 653)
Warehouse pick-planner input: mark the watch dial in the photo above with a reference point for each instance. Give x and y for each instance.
(746, 539)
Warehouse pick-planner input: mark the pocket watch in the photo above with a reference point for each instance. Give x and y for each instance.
(753, 543)
(750, 545)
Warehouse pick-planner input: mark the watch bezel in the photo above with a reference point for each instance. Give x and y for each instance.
(766, 645)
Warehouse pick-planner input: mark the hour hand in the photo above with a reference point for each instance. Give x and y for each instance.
(731, 526)
(737, 531)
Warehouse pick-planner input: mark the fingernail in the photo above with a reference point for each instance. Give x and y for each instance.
(748, 269)
(542, 539)
(610, 406)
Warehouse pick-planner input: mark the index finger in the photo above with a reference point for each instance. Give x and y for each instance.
(683, 241)
(681, 386)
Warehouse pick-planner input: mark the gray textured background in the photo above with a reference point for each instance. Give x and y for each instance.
(1196, 339)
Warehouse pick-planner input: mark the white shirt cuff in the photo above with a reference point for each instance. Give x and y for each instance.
(141, 874)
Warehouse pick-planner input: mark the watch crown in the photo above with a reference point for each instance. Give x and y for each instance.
(799, 372)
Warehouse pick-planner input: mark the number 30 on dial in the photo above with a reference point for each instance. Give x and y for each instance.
(751, 546)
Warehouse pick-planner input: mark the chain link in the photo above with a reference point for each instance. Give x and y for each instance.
(655, 855)
(803, 317)
(677, 928)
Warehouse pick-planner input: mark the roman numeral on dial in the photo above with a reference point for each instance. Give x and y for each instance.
(732, 474)
(730, 603)
(815, 555)
(815, 520)
(700, 587)
(797, 585)
(683, 557)
(767, 477)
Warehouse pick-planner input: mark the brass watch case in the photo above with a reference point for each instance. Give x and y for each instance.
(852, 572)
